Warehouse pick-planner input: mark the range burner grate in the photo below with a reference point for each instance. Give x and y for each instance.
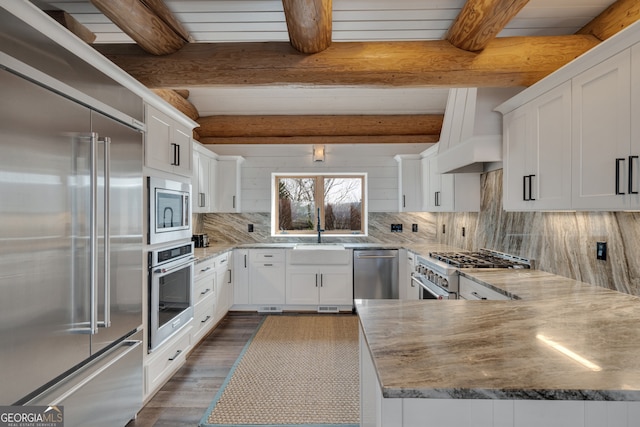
(480, 259)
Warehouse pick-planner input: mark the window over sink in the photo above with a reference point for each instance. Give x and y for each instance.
(338, 200)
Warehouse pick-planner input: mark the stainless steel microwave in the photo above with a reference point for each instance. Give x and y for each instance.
(169, 210)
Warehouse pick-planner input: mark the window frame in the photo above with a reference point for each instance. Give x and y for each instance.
(318, 195)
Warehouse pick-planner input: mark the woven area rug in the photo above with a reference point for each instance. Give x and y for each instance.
(299, 370)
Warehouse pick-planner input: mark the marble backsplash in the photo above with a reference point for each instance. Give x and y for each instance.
(233, 228)
(562, 243)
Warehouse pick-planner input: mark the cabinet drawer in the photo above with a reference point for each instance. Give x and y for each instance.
(203, 318)
(268, 256)
(222, 261)
(204, 268)
(203, 288)
(471, 290)
(167, 360)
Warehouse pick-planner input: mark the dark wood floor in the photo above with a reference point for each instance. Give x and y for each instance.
(181, 402)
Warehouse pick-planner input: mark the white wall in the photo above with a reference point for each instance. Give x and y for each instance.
(374, 159)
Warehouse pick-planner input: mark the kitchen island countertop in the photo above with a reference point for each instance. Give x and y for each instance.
(562, 340)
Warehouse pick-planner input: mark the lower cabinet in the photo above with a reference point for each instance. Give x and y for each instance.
(319, 285)
(267, 277)
(224, 285)
(160, 365)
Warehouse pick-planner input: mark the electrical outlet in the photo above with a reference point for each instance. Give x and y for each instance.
(250, 228)
(601, 250)
(396, 228)
(443, 228)
(414, 228)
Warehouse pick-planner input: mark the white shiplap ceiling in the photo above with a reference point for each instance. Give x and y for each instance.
(353, 20)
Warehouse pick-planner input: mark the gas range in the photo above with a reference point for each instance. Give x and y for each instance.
(438, 274)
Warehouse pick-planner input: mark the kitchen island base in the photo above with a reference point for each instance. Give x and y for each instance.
(379, 411)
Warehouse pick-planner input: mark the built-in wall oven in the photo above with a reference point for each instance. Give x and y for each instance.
(169, 210)
(171, 272)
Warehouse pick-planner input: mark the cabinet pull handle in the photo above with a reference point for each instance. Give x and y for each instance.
(205, 319)
(202, 200)
(475, 294)
(404, 201)
(321, 279)
(229, 276)
(205, 291)
(524, 188)
(245, 261)
(205, 269)
(234, 202)
(618, 175)
(176, 154)
(172, 358)
(268, 265)
(316, 280)
(530, 186)
(631, 158)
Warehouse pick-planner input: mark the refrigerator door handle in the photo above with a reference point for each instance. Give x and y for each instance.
(93, 234)
(107, 237)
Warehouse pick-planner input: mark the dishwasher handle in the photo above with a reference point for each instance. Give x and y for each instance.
(375, 256)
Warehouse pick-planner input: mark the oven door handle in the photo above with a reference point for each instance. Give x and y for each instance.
(177, 267)
(431, 291)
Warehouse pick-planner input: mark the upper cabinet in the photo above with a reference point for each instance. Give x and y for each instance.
(572, 140)
(452, 192)
(537, 153)
(228, 184)
(203, 180)
(167, 143)
(604, 163)
(409, 183)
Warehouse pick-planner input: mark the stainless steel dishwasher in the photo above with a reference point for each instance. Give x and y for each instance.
(375, 274)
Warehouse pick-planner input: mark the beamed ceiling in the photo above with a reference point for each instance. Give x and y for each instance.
(347, 71)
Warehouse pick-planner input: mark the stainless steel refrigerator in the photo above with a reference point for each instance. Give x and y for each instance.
(70, 256)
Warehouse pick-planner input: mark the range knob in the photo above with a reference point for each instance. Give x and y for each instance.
(444, 282)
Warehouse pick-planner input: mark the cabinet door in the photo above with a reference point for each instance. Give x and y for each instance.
(634, 191)
(549, 156)
(434, 193)
(515, 136)
(601, 134)
(241, 276)
(158, 152)
(302, 286)
(227, 190)
(336, 286)
(200, 183)
(223, 286)
(410, 185)
(267, 283)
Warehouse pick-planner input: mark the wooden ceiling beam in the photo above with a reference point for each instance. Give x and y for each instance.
(323, 139)
(480, 21)
(179, 102)
(309, 24)
(616, 17)
(505, 62)
(71, 24)
(323, 125)
(148, 22)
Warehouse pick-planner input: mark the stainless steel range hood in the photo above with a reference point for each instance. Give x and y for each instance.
(472, 132)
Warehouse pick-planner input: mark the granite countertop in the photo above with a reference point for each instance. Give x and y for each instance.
(505, 349)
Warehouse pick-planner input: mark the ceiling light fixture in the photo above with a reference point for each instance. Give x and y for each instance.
(318, 153)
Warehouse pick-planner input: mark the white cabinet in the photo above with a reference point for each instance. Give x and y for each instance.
(240, 277)
(205, 294)
(408, 288)
(604, 166)
(267, 277)
(457, 192)
(320, 285)
(409, 183)
(167, 143)
(537, 153)
(228, 184)
(160, 365)
(470, 290)
(224, 285)
(203, 180)
(325, 282)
